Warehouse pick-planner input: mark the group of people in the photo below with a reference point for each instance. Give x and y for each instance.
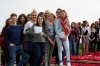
(58, 38)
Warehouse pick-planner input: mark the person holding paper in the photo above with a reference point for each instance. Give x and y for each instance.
(62, 29)
(39, 40)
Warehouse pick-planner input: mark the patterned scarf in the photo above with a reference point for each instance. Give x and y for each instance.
(65, 27)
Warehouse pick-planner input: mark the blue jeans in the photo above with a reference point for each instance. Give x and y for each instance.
(73, 45)
(38, 49)
(66, 47)
(17, 49)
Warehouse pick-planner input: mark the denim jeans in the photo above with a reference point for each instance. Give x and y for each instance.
(73, 45)
(66, 46)
(38, 49)
(48, 54)
(17, 49)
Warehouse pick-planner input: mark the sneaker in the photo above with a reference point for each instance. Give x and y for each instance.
(68, 64)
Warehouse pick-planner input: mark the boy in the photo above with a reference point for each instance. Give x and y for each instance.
(13, 39)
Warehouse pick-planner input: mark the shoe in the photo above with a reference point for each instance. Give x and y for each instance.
(68, 64)
(61, 64)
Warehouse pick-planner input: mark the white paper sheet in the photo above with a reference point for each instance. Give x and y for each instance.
(37, 29)
(62, 34)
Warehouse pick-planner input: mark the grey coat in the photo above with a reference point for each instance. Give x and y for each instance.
(36, 36)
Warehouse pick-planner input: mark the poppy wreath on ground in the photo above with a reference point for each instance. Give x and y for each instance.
(88, 56)
(53, 62)
(72, 57)
(75, 64)
(89, 53)
(96, 58)
(53, 58)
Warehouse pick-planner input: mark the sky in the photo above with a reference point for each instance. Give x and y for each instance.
(77, 10)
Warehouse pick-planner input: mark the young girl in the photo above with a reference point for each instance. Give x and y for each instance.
(93, 37)
(73, 38)
(22, 19)
(85, 37)
(5, 53)
(39, 40)
(61, 27)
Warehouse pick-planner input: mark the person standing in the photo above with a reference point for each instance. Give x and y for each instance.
(49, 46)
(92, 38)
(79, 36)
(73, 39)
(22, 20)
(62, 29)
(55, 52)
(85, 37)
(39, 40)
(27, 44)
(5, 53)
(13, 38)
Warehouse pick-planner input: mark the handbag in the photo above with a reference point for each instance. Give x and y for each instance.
(2, 43)
(27, 46)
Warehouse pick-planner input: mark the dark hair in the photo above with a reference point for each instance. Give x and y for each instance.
(19, 21)
(73, 23)
(28, 15)
(13, 14)
(41, 13)
(92, 25)
(58, 9)
(43, 24)
(84, 21)
(6, 23)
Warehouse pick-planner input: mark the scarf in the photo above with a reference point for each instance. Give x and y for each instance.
(65, 27)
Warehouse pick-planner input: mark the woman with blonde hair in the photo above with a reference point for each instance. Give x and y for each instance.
(27, 45)
(47, 13)
(62, 29)
(51, 33)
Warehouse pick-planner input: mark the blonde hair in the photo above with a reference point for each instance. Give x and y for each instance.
(52, 15)
(76, 25)
(47, 11)
(65, 13)
(34, 11)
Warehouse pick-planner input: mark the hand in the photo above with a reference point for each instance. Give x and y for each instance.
(12, 44)
(77, 38)
(84, 39)
(98, 34)
(64, 38)
(97, 40)
(41, 34)
(52, 43)
(90, 39)
(21, 47)
(93, 39)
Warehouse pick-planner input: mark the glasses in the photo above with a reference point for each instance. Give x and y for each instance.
(58, 12)
(33, 15)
